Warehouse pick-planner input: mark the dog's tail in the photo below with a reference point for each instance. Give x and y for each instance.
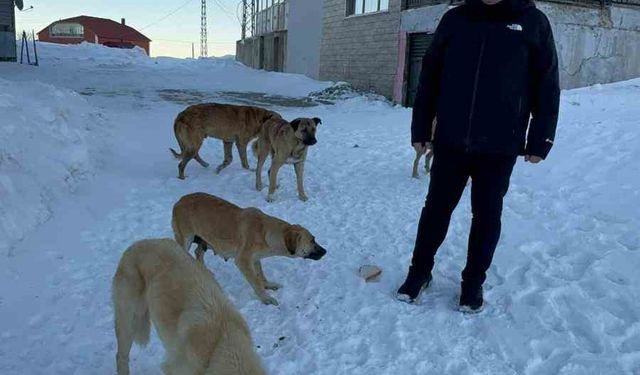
(176, 130)
(175, 154)
(131, 311)
(254, 147)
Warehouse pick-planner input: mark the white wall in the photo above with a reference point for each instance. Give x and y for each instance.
(303, 37)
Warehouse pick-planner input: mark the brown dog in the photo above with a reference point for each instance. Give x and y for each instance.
(201, 331)
(287, 143)
(230, 123)
(248, 235)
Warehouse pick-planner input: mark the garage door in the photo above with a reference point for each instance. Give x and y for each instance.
(418, 45)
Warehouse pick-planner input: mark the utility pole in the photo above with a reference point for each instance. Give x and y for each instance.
(252, 22)
(203, 29)
(243, 22)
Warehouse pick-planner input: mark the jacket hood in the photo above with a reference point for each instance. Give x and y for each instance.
(505, 7)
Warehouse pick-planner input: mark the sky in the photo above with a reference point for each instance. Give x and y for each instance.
(170, 36)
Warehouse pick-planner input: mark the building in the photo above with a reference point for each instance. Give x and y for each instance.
(8, 30)
(378, 45)
(286, 37)
(94, 30)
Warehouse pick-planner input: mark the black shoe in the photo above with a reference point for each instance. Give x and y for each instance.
(471, 300)
(413, 286)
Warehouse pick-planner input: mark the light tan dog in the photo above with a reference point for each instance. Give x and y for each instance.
(248, 235)
(427, 151)
(287, 142)
(201, 331)
(230, 123)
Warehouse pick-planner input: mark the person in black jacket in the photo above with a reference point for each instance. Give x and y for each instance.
(490, 78)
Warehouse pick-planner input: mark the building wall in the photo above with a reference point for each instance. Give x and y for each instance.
(7, 31)
(362, 50)
(89, 36)
(594, 45)
(304, 37)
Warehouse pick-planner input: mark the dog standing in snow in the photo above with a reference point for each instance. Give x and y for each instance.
(230, 123)
(201, 331)
(248, 235)
(287, 142)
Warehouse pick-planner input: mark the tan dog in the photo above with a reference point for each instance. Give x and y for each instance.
(200, 329)
(230, 123)
(248, 235)
(287, 143)
(426, 151)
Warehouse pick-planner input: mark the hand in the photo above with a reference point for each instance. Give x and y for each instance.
(533, 159)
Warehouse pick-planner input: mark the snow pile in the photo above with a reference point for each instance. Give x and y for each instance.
(120, 70)
(43, 153)
(89, 53)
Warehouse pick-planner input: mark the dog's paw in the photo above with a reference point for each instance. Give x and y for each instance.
(271, 198)
(272, 286)
(259, 187)
(181, 177)
(268, 300)
(416, 176)
(303, 197)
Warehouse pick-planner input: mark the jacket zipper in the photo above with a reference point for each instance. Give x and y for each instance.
(475, 90)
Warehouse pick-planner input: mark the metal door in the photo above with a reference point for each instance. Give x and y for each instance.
(418, 45)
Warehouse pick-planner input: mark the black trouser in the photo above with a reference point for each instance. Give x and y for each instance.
(490, 176)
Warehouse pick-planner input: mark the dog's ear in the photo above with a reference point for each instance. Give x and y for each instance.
(268, 117)
(291, 236)
(295, 123)
(317, 121)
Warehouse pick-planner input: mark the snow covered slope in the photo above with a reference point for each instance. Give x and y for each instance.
(44, 153)
(562, 294)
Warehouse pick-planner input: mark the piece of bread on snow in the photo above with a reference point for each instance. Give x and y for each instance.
(370, 273)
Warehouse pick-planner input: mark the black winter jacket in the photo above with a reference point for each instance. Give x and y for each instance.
(489, 70)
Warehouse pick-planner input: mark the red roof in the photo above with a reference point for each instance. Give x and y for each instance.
(107, 28)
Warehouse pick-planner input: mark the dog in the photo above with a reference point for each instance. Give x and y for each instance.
(287, 142)
(156, 281)
(230, 123)
(427, 151)
(248, 235)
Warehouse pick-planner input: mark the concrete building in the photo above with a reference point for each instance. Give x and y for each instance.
(8, 30)
(94, 30)
(378, 45)
(286, 38)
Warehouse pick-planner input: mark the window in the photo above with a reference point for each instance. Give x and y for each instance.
(366, 6)
(74, 30)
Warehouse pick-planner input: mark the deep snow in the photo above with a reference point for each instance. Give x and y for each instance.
(562, 294)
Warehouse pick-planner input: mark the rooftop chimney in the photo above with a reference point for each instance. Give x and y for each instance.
(122, 21)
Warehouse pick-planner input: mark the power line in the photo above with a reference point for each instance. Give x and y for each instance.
(168, 15)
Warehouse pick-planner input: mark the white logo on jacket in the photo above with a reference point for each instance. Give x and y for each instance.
(515, 27)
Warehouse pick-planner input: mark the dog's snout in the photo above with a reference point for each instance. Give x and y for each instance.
(310, 141)
(318, 253)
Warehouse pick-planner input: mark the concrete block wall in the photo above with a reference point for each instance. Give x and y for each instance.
(595, 45)
(362, 49)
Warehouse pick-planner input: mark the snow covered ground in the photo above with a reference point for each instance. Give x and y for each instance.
(562, 294)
